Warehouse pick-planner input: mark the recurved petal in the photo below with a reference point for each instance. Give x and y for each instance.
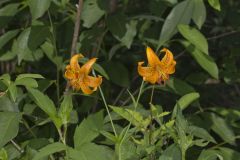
(144, 71)
(86, 68)
(152, 79)
(171, 68)
(69, 73)
(152, 57)
(85, 89)
(168, 57)
(93, 81)
(74, 61)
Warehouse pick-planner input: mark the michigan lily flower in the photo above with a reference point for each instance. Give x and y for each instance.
(79, 77)
(157, 71)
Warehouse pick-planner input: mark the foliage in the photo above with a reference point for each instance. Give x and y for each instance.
(194, 115)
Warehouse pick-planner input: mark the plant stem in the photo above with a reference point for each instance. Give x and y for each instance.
(56, 53)
(135, 107)
(106, 106)
(151, 156)
(76, 27)
(17, 146)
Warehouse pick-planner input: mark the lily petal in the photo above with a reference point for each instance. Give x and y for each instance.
(144, 71)
(86, 68)
(74, 61)
(85, 89)
(152, 57)
(168, 57)
(69, 73)
(152, 79)
(171, 68)
(93, 81)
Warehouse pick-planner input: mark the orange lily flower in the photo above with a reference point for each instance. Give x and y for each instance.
(78, 76)
(157, 71)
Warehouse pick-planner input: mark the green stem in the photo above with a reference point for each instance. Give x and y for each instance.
(106, 106)
(135, 107)
(151, 156)
(55, 50)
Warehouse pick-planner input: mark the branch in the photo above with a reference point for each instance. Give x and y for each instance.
(77, 27)
(223, 35)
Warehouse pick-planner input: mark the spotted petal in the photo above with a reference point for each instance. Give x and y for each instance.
(74, 61)
(86, 68)
(152, 57)
(168, 57)
(85, 89)
(93, 81)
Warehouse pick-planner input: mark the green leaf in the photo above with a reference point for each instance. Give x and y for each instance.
(117, 25)
(7, 105)
(9, 123)
(21, 49)
(7, 12)
(7, 56)
(215, 4)
(221, 128)
(121, 29)
(195, 37)
(173, 152)
(27, 82)
(91, 13)
(132, 116)
(4, 39)
(38, 7)
(13, 92)
(187, 99)
(65, 109)
(29, 75)
(200, 133)
(210, 155)
(228, 153)
(43, 101)
(49, 149)
(205, 61)
(127, 39)
(91, 151)
(117, 74)
(3, 154)
(38, 35)
(180, 14)
(88, 130)
(199, 13)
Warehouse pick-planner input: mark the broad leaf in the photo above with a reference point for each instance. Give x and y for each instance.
(65, 109)
(45, 103)
(221, 128)
(91, 13)
(88, 130)
(38, 7)
(49, 149)
(91, 151)
(215, 4)
(187, 99)
(205, 61)
(38, 35)
(4, 39)
(195, 37)
(180, 14)
(9, 123)
(173, 152)
(199, 13)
